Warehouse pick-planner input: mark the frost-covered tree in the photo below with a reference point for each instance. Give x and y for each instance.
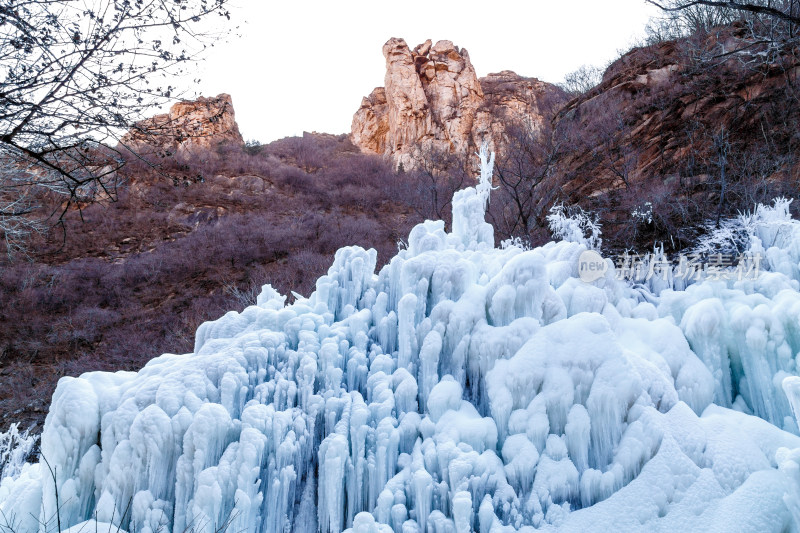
(573, 224)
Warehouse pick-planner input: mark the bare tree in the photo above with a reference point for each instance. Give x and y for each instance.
(772, 19)
(615, 145)
(75, 76)
(582, 80)
(721, 149)
(436, 177)
(682, 18)
(529, 156)
(17, 202)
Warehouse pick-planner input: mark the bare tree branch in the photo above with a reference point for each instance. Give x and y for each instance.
(74, 76)
(731, 4)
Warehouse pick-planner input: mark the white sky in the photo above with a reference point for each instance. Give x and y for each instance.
(305, 65)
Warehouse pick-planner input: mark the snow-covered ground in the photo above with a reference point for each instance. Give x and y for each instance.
(462, 388)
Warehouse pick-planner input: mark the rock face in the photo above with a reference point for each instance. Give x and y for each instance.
(433, 100)
(200, 124)
(660, 116)
(508, 97)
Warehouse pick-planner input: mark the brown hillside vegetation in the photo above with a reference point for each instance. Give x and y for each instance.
(187, 243)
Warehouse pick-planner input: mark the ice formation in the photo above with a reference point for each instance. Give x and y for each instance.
(462, 388)
(15, 448)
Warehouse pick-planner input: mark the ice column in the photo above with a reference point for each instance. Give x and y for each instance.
(469, 207)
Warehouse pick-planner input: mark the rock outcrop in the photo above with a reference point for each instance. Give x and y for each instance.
(433, 100)
(511, 97)
(199, 124)
(664, 114)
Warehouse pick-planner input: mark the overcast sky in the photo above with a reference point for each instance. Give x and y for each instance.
(304, 66)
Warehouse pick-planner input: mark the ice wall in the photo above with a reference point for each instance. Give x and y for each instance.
(462, 388)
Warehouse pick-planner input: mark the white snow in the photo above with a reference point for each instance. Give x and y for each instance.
(461, 388)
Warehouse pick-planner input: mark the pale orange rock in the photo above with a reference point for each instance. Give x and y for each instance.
(432, 99)
(198, 124)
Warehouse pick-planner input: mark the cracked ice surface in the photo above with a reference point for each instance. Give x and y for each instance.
(462, 388)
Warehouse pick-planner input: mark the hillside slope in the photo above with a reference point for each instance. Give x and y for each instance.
(184, 242)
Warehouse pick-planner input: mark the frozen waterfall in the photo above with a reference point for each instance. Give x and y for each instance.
(462, 388)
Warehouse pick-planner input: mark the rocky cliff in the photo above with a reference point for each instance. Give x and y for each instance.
(432, 99)
(695, 129)
(199, 124)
